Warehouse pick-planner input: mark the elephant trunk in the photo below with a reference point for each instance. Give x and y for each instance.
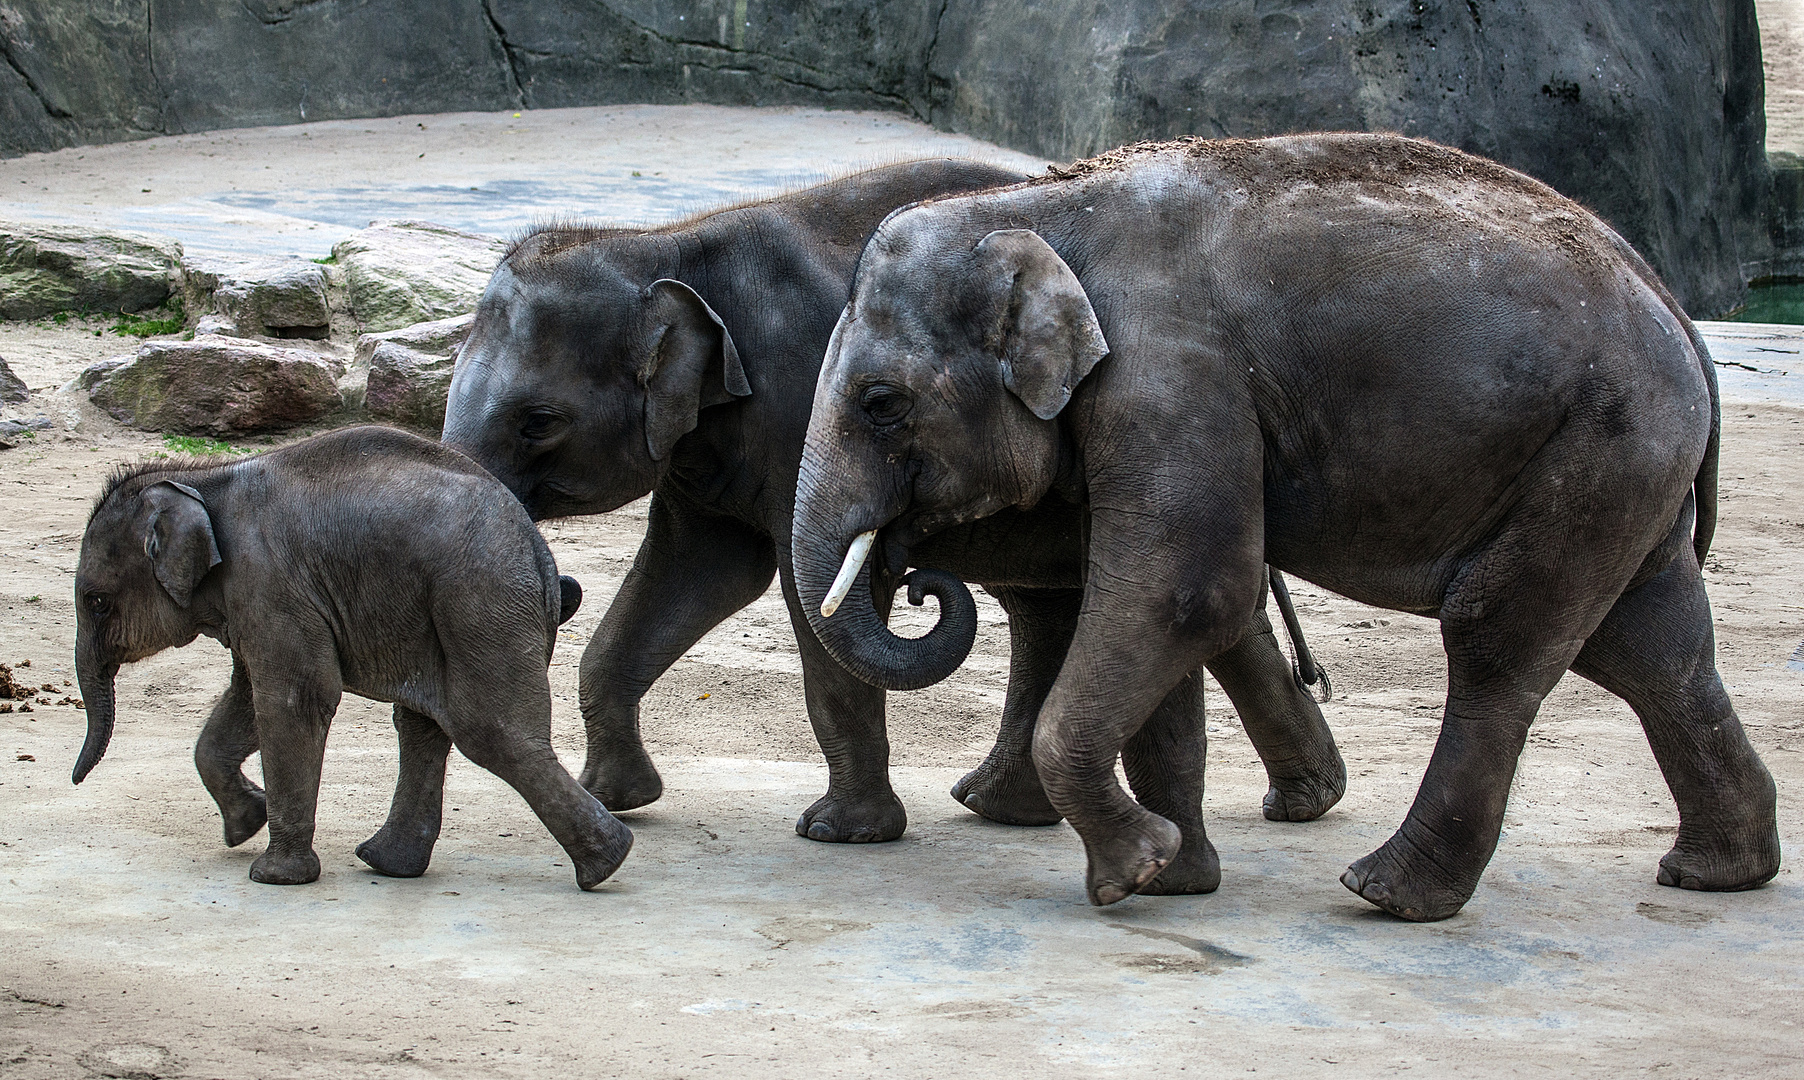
(95, 677)
(851, 631)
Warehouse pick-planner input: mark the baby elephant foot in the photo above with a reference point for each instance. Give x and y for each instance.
(601, 852)
(1196, 870)
(1306, 797)
(397, 855)
(245, 816)
(1724, 862)
(834, 819)
(288, 867)
(1011, 796)
(1389, 878)
(625, 784)
(1127, 860)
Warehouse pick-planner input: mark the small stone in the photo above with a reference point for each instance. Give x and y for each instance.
(404, 272)
(45, 269)
(220, 387)
(12, 388)
(280, 298)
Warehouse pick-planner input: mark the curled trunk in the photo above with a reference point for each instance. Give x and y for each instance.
(96, 680)
(855, 635)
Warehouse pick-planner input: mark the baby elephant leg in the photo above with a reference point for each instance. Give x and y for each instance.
(229, 737)
(1164, 765)
(292, 721)
(403, 846)
(508, 732)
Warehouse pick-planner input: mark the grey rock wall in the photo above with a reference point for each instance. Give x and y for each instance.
(1648, 111)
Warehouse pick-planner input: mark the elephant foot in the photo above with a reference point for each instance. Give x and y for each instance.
(1387, 879)
(396, 855)
(1011, 796)
(601, 853)
(245, 817)
(834, 819)
(1306, 797)
(1128, 859)
(285, 867)
(625, 784)
(1196, 870)
(1726, 862)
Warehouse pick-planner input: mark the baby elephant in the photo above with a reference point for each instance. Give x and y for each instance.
(367, 560)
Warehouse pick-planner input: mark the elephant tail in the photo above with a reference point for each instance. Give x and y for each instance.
(1311, 677)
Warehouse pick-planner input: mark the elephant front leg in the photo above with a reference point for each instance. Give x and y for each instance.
(403, 846)
(859, 807)
(230, 737)
(1006, 787)
(1303, 767)
(292, 721)
(692, 571)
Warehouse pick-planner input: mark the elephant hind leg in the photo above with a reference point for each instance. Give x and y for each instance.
(230, 737)
(1657, 651)
(1006, 788)
(1164, 765)
(403, 846)
(1511, 623)
(505, 727)
(1303, 767)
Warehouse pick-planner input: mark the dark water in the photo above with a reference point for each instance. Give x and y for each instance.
(1773, 304)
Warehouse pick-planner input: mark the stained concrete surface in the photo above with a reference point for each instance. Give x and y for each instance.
(132, 943)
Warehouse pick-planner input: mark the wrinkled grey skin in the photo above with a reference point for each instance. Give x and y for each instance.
(1408, 375)
(367, 560)
(682, 361)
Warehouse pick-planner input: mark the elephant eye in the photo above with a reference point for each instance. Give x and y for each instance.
(99, 604)
(540, 423)
(886, 404)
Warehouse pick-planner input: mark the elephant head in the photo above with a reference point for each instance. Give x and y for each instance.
(938, 404)
(147, 551)
(577, 380)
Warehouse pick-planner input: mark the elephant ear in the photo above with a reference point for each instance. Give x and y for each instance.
(690, 363)
(1046, 334)
(178, 538)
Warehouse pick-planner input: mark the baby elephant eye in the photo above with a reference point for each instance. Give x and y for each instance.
(886, 404)
(540, 423)
(98, 604)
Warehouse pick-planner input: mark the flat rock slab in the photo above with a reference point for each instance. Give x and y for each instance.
(410, 372)
(221, 387)
(45, 269)
(284, 298)
(405, 272)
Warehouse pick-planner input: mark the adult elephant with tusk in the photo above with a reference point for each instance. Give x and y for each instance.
(607, 363)
(1407, 374)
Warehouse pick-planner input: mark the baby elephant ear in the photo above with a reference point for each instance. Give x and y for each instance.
(1046, 334)
(178, 537)
(690, 363)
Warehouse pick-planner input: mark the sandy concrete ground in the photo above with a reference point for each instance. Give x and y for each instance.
(132, 943)
(1782, 54)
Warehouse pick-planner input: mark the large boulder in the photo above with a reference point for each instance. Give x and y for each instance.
(282, 298)
(1648, 111)
(220, 387)
(410, 372)
(12, 388)
(45, 269)
(405, 272)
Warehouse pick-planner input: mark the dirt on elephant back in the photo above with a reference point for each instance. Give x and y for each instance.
(133, 941)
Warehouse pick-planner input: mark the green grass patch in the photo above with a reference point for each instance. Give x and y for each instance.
(330, 260)
(167, 319)
(201, 446)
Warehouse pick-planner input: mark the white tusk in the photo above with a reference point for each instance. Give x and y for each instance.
(855, 556)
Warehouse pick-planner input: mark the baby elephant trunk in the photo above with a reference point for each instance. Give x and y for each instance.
(96, 680)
